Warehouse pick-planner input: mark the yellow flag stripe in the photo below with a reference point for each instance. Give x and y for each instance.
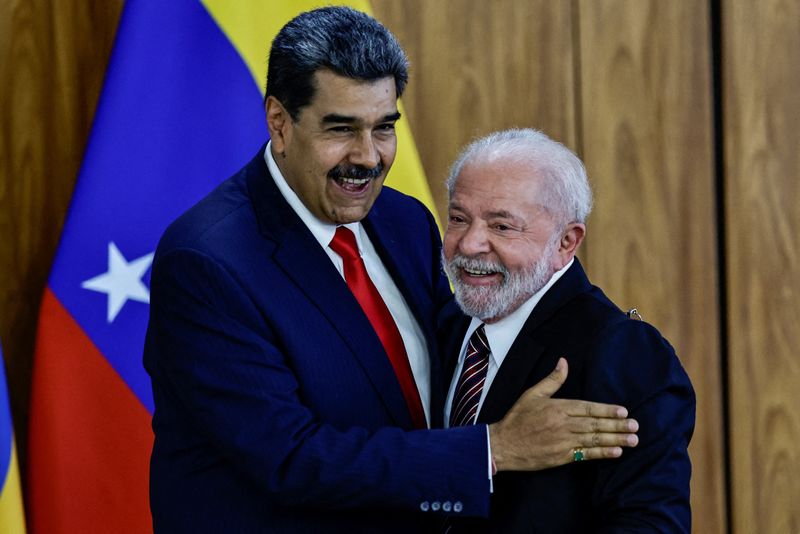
(12, 516)
(251, 25)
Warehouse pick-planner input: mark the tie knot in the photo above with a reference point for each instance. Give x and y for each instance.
(344, 244)
(479, 340)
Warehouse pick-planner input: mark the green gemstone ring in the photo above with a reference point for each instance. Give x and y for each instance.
(577, 454)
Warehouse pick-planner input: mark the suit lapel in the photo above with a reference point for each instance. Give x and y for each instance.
(384, 238)
(511, 379)
(302, 259)
(451, 348)
(525, 357)
(397, 260)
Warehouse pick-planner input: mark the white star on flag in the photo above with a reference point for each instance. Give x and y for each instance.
(122, 281)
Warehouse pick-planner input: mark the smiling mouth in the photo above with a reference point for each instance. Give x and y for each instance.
(354, 178)
(478, 272)
(352, 185)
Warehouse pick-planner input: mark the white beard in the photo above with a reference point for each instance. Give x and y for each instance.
(496, 302)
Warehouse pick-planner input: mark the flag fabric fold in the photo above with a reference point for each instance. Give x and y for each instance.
(181, 109)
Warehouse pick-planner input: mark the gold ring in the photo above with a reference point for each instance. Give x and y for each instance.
(577, 454)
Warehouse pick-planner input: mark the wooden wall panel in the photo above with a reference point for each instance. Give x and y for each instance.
(480, 66)
(761, 67)
(52, 61)
(646, 114)
(627, 82)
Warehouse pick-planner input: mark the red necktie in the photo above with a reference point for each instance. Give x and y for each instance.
(359, 282)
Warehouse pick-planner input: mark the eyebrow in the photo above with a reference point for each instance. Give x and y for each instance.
(499, 214)
(502, 214)
(335, 118)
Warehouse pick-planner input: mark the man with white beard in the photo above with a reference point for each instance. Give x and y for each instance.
(518, 203)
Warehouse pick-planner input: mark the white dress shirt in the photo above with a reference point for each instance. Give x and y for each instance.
(501, 336)
(410, 331)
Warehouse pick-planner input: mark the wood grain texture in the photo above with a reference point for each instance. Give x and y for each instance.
(646, 113)
(761, 66)
(627, 82)
(480, 66)
(54, 55)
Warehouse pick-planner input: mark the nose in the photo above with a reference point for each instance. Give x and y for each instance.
(474, 240)
(364, 152)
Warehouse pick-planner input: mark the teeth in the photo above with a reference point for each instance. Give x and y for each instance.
(354, 181)
(478, 273)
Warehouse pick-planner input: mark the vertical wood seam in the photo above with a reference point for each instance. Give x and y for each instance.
(716, 44)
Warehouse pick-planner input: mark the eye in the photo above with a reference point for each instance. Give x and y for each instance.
(384, 131)
(456, 219)
(501, 227)
(340, 129)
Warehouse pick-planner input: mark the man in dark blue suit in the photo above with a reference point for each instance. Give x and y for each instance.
(291, 343)
(517, 214)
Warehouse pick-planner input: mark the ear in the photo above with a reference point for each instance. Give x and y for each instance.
(279, 124)
(571, 238)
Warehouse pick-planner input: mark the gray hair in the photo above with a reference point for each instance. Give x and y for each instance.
(565, 189)
(348, 42)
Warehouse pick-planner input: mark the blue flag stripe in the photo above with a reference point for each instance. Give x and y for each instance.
(178, 114)
(6, 426)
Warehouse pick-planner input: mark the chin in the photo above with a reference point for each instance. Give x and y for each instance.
(349, 215)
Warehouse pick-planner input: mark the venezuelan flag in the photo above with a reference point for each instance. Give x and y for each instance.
(181, 110)
(12, 516)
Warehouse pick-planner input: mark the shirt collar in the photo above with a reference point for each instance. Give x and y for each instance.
(323, 232)
(501, 335)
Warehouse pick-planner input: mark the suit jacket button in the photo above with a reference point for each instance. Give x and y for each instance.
(457, 507)
(425, 506)
(446, 506)
(435, 505)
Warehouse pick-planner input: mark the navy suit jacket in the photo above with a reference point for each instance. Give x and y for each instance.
(276, 408)
(612, 359)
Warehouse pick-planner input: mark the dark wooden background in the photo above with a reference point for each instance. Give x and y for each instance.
(685, 112)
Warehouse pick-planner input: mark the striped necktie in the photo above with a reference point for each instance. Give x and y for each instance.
(464, 408)
(367, 295)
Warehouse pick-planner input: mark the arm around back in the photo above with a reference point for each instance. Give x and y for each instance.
(242, 397)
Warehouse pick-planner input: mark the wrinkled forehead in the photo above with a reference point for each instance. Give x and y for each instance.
(497, 191)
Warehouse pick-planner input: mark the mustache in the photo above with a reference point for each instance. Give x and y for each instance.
(473, 264)
(355, 171)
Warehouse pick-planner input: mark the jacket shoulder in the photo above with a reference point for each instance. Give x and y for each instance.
(212, 218)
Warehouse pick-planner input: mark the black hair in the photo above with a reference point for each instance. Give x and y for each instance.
(348, 42)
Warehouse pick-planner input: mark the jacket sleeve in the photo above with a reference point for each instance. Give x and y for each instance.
(219, 373)
(647, 489)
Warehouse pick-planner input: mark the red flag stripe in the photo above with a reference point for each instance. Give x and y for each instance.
(88, 434)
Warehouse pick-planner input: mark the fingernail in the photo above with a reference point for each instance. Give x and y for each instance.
(622, 412)
(633, 440)
(633, 425)
(616, 452)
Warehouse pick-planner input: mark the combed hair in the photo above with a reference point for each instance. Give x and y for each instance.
(348, 42)
(566, 187)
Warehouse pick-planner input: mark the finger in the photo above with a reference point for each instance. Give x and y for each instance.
(595, 424)
(595, 453)
(607, 440)
(552, 382)
(579, 408)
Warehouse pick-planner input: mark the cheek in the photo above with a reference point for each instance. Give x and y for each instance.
(326, 157)
(514, 257)
(387, 150)
(449, 244)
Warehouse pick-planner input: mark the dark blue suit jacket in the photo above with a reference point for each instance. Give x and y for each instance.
(276, 408)
(612, 359)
